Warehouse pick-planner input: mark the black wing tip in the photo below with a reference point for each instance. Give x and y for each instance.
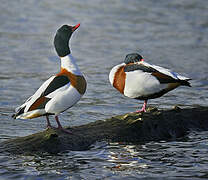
(189, 85)
(19, 111)
(14, 116)
(186, 83)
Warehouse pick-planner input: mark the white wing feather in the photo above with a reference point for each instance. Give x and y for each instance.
(166, 71)
(37, 94)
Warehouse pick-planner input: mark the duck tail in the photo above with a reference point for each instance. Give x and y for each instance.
(14, 116)
(18, 112)
(186, 83)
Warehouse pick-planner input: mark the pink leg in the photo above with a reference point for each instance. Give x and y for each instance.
(48, 122)
(143, 107)
(60, 126)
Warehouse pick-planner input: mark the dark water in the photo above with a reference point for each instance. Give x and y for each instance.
(172, 34)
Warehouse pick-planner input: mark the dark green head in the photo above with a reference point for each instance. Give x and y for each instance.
(133, 57)
(62, 37)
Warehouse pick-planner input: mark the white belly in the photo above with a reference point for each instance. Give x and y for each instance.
(63, 100)
(139, 83)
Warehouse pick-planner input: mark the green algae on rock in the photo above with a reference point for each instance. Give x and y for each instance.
(154, 125)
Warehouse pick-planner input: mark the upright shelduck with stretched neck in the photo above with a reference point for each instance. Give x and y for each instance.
(60, 91)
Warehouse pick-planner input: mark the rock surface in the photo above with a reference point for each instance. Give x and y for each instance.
(154, 125)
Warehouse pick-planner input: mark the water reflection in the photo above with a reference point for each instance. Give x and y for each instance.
(127, 159)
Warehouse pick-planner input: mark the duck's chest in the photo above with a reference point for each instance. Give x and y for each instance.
(78, 82)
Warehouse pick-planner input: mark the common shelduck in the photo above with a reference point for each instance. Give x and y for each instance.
(60, 91)
(138, 79)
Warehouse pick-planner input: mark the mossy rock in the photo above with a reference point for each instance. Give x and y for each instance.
(154, 125)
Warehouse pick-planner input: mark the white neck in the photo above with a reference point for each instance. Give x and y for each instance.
(69, 63)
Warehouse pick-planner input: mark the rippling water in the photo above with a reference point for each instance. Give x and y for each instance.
(172, 34)
(183, 159)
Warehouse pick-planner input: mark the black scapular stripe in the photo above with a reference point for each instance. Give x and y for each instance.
(133, 67)
(168, 79)
(57, 82)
